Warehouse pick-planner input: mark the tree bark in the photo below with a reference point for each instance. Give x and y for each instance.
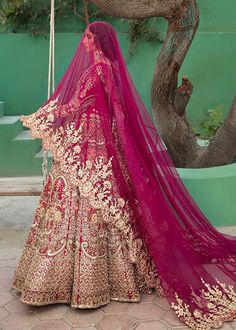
(138, 9)
(169, 100)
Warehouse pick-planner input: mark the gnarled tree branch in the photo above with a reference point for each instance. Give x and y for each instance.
(137, 9)
(169, 100)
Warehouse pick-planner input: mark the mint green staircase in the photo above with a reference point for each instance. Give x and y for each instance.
(20, 154)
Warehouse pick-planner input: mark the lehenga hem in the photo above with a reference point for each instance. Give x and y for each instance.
(104, 300)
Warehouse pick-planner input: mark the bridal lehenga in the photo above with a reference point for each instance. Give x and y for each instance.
(114, 219)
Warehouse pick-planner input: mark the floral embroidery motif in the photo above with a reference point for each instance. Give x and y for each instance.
(84, 199)
(83, 224)
(94, 182)
(81, 240)
(219, 300)
(38, 123)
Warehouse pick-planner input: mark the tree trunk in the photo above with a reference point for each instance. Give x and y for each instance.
(168, 100)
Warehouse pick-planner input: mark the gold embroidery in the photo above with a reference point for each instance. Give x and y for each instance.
(40, 122)
(84, 245)
(82, 237)
(220, 301)
(51, 253)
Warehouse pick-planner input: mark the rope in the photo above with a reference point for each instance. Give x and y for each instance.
(51, 78)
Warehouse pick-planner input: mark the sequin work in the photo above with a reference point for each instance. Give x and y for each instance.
(114, 219)
(81, 248)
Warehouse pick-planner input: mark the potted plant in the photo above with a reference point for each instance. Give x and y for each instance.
(206, 128)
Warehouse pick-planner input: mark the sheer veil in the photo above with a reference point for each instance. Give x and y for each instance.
(195, 263)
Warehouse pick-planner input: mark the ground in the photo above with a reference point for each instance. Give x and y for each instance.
(152, 313)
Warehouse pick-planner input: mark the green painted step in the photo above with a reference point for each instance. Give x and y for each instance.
(40, 154)
(20, 153)
(24, 140)
(10, 126)
(1, 109)
(39, 157)
(18, 149)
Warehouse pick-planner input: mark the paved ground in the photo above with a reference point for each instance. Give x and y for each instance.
(152, 313)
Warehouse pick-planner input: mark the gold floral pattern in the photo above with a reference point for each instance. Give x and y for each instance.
(82, 248)
(41, 121)
(76, 257)
(219, 300)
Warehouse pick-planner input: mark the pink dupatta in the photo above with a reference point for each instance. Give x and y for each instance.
(195, 264)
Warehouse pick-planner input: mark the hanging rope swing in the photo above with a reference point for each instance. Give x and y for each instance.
(51, 77)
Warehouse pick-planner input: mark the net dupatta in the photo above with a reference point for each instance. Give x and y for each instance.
(196, 264)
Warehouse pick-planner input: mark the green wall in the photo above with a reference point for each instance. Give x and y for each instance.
(214, 191)
(210, 63)
(24, 65)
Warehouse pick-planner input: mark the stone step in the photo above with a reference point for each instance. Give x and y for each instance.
(21, 186)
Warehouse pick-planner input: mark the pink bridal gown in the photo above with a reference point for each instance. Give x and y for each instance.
(114, 219)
